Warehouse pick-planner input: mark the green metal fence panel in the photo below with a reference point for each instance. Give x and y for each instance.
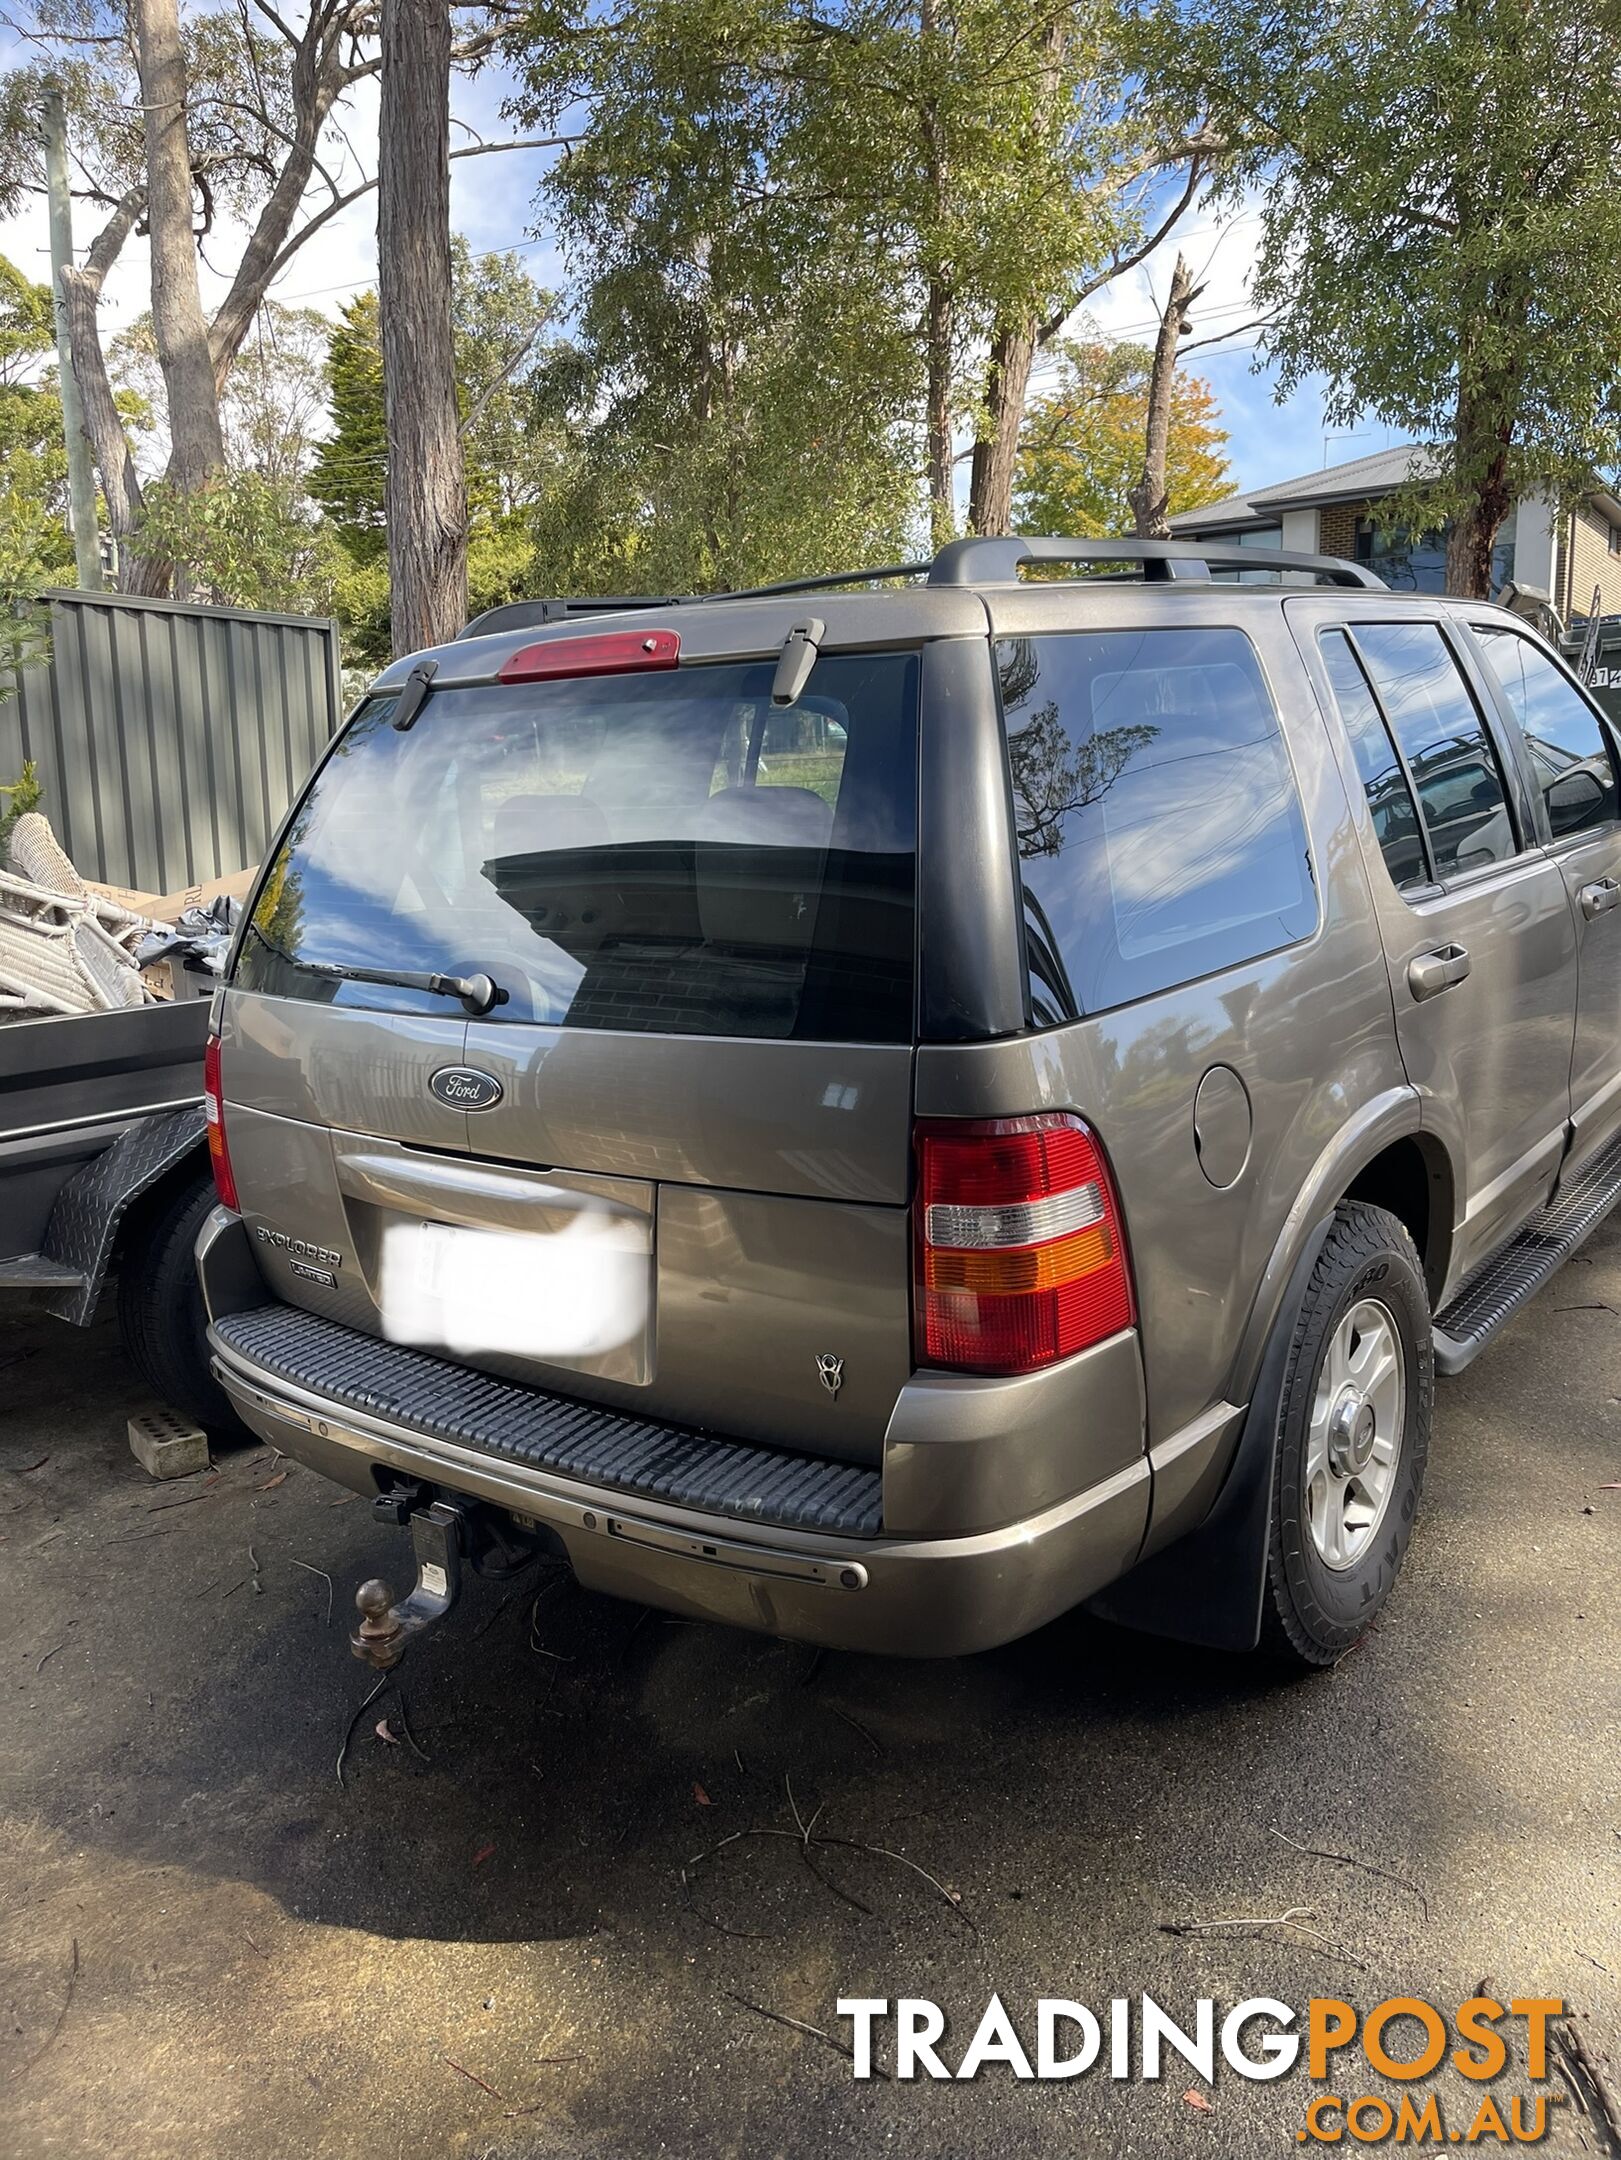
(169, 738)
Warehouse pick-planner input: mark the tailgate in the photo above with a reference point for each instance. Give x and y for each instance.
(670, 1169)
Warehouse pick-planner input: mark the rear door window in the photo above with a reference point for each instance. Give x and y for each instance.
(1159, 831)
(662, 852)
(1569, 750)
(1390, 799)
(1434, 717)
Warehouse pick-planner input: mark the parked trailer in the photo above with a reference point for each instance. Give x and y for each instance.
(104, 1172)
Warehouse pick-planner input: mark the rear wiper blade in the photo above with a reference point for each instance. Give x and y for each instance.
(478, 993)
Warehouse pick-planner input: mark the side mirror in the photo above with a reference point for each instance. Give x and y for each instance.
(1574, 800)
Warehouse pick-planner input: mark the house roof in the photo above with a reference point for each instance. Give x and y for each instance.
(1355, 481)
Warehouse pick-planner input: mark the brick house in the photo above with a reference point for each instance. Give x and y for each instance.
(1330, 512)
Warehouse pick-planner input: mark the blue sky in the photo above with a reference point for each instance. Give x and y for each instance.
(492, 203)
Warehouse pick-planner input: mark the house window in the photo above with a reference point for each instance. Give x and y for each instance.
(1615, 539)
(1417, 562)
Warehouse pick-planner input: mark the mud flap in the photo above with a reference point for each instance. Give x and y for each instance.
(83, 1228)
(1207, 1587)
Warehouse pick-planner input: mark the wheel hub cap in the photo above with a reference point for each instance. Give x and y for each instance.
(1355, 1436)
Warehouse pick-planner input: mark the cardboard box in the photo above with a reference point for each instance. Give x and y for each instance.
(168, 907)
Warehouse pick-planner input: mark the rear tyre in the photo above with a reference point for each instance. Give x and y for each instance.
(160, 1305)
(1353, 1435)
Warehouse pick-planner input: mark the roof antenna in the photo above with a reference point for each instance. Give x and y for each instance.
(798, 657)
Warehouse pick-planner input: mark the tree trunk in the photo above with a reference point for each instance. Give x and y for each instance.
(1474, 533)
(996, 453)
(81, 290)
(1150, 497)
(425, 498)
(939, 339)
(197, 450)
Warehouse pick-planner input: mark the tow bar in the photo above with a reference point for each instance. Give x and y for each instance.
(437, 1539)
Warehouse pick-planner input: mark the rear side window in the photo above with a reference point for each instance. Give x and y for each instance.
(1159, 831)
(1434, 718)
(1569, 752)
(662, 853)
(1395, 816)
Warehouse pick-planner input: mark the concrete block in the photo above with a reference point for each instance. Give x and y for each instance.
(166, 1445)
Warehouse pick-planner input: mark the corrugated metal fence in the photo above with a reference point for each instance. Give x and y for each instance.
(169, 738)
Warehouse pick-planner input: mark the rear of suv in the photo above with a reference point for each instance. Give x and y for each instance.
(883, 1124)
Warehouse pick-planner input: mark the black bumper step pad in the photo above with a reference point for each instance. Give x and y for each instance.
(575, 1439)
(1497, 1289)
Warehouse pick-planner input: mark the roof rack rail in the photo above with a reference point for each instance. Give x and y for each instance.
(534, 614)
(999, 561)
(959, 562)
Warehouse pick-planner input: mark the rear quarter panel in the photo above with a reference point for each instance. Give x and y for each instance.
(1308, 1031)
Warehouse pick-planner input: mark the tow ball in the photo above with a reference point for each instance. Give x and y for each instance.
(438, 1542)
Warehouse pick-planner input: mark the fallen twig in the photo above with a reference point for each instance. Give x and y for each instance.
(1295, 1918)
(855, 1725)
(326, 1578)
(258, 1586)
(473, 2078)
(349, 1729)
(794, 2024)
(61, 2015)
(1317, 1852)
(253, 1946)
(157, 1507)
(46, 1659)
(1585, 2081)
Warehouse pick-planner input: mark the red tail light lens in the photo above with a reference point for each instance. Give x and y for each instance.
(219, 1155)
(1021, 1252)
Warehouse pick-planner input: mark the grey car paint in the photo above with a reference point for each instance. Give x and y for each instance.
(1233, 1110)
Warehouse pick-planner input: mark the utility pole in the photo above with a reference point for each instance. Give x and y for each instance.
(81, 479)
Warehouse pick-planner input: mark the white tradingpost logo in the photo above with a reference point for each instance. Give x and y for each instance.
(1063, 2053)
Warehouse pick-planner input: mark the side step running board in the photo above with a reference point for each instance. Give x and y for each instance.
(1501, 1284)
(34, 1271)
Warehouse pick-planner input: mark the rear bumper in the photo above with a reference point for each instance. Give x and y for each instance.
(913, 1596)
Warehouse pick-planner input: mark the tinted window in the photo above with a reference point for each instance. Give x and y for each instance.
(1395, 818)
(1436, 721)
(1159, 833)
(1569, 753)
(664, 852)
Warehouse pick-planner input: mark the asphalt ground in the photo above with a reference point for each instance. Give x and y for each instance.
(526, 1922)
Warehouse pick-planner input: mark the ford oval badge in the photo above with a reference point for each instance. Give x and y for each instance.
(463, 1087)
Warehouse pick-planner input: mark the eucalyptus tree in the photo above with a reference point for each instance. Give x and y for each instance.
(1441, 228)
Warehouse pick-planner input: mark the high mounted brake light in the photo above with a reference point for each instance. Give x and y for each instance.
(609, 652)
(219, 1155)
(1021, 1252)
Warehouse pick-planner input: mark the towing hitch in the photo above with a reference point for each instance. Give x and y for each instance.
(438, 1536)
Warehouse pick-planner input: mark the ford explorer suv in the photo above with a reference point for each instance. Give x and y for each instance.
(883, 1109)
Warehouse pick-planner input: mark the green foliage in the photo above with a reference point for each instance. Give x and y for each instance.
(504, 337)
(16, 799)
(1441, 225)
(794, 232)
(741, 390)
(1082, 445)
(247, 540)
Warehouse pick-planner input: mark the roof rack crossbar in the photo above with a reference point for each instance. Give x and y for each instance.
(999, 561)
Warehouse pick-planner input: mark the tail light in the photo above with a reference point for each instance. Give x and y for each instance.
(219, 1155)
(1021, 1253)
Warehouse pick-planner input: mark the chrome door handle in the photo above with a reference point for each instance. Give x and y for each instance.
(1433, 972)
(1598, 899)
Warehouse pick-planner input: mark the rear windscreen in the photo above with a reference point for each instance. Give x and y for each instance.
(664, 852)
